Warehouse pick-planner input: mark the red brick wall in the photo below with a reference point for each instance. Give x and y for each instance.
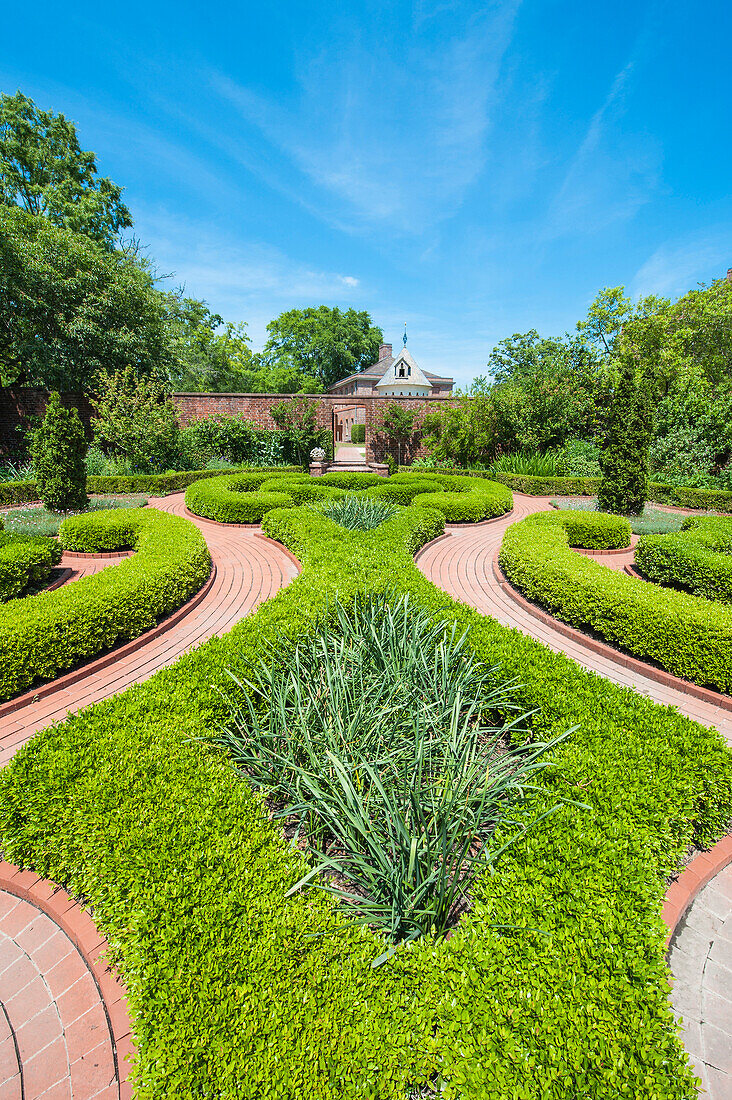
(255, 407)
(19, 403)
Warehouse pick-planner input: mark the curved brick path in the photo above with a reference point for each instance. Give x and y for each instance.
(248, 570)
(64, 1028)
(701, 951)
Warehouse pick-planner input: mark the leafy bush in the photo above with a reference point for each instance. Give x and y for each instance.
(578, 458)
(358, 513)
(25, 562)
(57, 450)
(126, 806)
(358, 433)
(297, 420)
(623, 485)
(698, 558)
(689, 636)
(135, 420)
(596, 531)
(369, 736)
(46, 634)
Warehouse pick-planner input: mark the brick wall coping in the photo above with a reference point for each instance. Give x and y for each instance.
(108, 658)
(707, 695)
(77, 924)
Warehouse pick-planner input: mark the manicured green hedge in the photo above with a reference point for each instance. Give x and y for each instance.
(553, 986)
(707, 499)
(44, 635)
(689, 636)
(596, 530)
(245, 498)
(697, 558)
(25, 561)
(21, 492)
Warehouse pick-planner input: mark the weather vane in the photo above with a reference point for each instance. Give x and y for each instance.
(405, 334)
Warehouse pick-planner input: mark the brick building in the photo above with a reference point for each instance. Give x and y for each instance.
(393, 376)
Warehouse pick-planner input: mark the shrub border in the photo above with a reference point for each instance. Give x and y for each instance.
(77, 923)
(604, 650)
(60, 683)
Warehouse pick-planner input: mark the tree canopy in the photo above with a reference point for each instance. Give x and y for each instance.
(322, 343)
(45, 172)
(69, 309)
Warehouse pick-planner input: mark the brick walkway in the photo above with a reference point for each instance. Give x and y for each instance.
(63, 1021)
(701, 955)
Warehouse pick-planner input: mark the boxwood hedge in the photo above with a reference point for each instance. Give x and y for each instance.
(21, 492)
(697, 558)
(24, 561)
(52, 632)
(687, 635)
(555, 985)
(246, 498)
(596, 530)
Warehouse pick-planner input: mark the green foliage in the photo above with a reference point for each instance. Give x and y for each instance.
(578, 458)
(44, 170)
(46, 634)
(135, 419)
(375, 737)
(395, 431)
(127, 806)
(524, 462)
(297, 421)
(624, 459)
(358, 433)
(57, 449)
(358, 513)
(596, 530)
(688, 636)
(25, 562)
(322, 343)
(232, 437)
(698, 558)
(70, 310)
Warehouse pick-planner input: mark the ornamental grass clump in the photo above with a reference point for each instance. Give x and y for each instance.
(358, 513)
(377, 740)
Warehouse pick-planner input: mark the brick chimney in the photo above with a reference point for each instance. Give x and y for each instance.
(386, 353)
(729, 274)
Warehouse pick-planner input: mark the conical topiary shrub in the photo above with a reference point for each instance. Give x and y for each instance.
(624, 458)
(58, 448)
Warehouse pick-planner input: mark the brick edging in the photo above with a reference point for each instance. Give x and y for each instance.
(692, 879)
(432, 542)
(115, 654)
(618, 657)
(587, 550)
(86, 555)
(77, 923)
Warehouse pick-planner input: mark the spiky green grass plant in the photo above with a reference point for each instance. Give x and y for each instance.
(357, 513)
(377, 737)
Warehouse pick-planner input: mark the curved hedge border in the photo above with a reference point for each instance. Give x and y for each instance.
(21, 492)
(247, 498)
(241, 993)
(697, 558)
(596, 530)
(688, 636)
(49, 633)
(24, 560)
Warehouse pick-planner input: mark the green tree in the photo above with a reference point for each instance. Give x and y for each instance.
(297, 420)
(57, 449)
(624, 457)
(70, 310)
(135, 419)
(44, 170)
(322, 343)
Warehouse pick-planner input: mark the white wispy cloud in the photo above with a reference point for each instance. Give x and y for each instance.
(676, 266)
(612, 173)
(393, 140)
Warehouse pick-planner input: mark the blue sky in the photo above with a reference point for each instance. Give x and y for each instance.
(472, 169)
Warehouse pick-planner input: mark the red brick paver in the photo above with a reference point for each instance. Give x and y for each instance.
(64, 1026)
(249, 569)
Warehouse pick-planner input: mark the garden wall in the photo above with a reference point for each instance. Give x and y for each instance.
(19, 403)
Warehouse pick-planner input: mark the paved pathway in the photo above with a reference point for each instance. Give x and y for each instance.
(61, 1036)
(701, 962)
(701, 956)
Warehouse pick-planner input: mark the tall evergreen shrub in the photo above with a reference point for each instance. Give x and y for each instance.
(58, 448)
(624, 458)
